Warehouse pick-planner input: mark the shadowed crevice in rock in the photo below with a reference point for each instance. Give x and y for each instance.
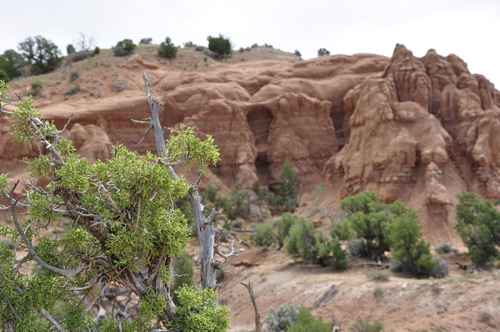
(259, 120)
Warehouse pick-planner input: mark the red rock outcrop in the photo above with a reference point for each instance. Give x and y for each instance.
(416, 129)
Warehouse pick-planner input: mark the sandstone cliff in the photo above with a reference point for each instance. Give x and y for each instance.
(415, 129)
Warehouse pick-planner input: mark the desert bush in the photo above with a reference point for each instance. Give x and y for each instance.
(301, 240)
(323, 52)
(286, 188)
(4, 76)
(10, 63)
(357, 248)
(189, 44)
(364, 325)
(124, 47)
(441, 269)
(97, 50)
(297, 53)
(318, 190)
(280, 319)
(268, 199)
(81, 56)
(183, 266)
(367, 219)
(479, 227)
(264, 235)
(224, 235)
(330, 252)
(379, 275)
(307, 322)
(219, 45)
(70, 49)
(72, 91)
(167, 49)
(236, 203)
(42, 54)
(36, 88)
(146, 41)
(445, 248)
(238, 223)
(283, 226)
(74, 75)
(407, 247)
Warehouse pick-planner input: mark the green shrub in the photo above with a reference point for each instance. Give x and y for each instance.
(183, 265)
(36, 88)
(278, 321)
(318, 190)
(301, 240)
(269, 200)
(365, 326)
(146, 41)
(323, 52)
(219, 45)
(297, 53)
(97, 50)
(358, 248)
(74, 75)
(81, 56)
(445, 248)
(42, 54)
(379, 275)
(441, 269)
(189, 44)
(479, 227)
(70, 49)
(283, 226)
(264, 235)
(306, 322)
(236, 203)
(3, 76)
(287, 186)
(330, 253)
(167, 49)
(124, 47)
(238, 223)
(367, 219)
(72, 91)
(407, 246)
(10, 63)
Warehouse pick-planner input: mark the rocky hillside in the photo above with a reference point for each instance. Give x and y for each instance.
(415, 129)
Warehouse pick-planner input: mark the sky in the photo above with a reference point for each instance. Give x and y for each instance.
(466, 28)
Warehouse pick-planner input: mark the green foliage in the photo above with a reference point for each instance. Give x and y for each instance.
(300, 242)
(4, 76)
(330, 253)
(279, 319)
(70, 49)
(198, 311)
(40, 53)
(445, 248)
(183, 265)
(366, 219)
(146, 41)
(236, 203)
(10, 63)
(4, 90)
(323, 52)
(219, 45)
(74, 75)
(479, 227)
(306, 322)
(97, 50)
(36, 88)
(124, 47)
(283, 226)
(318, 190)
(189, 44)
(167, 49)
(379, 275)
(407, 246)
(80, 56)
(365, 326)
(269, 199)
(264, 235)
(286, 186)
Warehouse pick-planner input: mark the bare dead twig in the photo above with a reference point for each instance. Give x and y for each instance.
(258, 323)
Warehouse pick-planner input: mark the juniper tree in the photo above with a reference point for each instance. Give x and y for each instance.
(125, 232)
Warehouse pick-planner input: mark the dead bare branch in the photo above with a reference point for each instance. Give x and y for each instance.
(258, 323)
(57, 327)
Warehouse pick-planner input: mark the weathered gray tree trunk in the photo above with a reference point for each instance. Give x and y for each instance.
(206, 230)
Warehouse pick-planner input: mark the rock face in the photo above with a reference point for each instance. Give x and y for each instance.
(415, 129)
